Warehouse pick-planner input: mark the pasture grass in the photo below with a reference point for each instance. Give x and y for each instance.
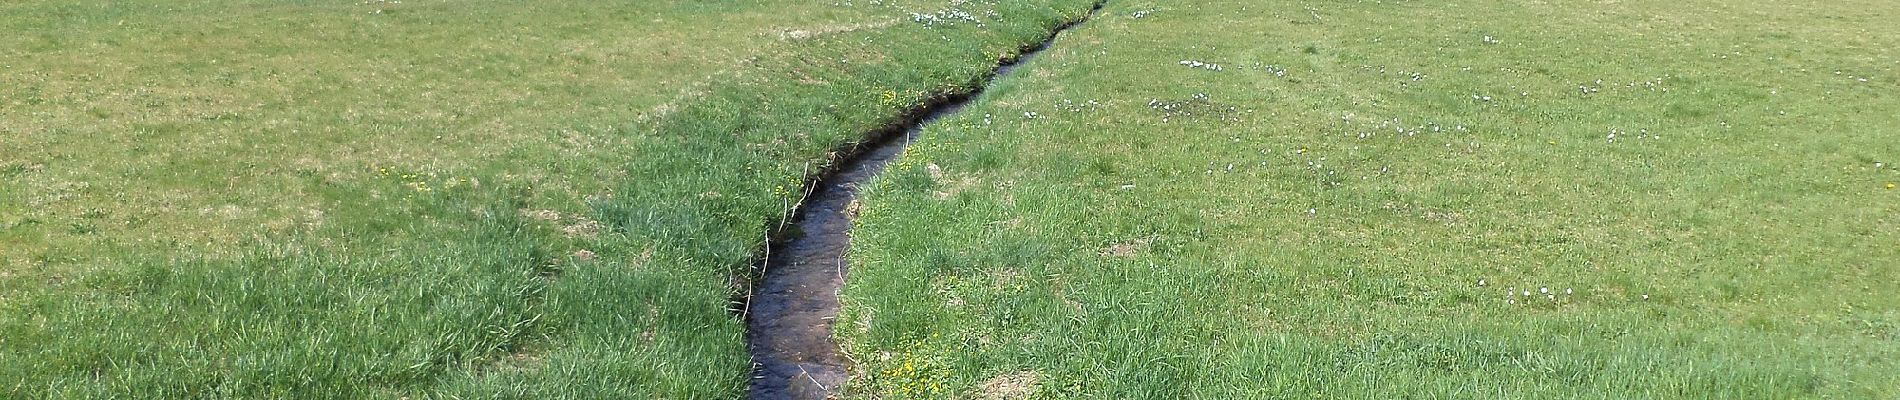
(1402, 199)
(488, 199)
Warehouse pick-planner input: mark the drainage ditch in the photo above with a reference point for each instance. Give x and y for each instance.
(788, 316)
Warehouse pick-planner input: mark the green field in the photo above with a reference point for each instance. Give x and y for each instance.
(1344, 208)
(557, 199)
(1179, 199)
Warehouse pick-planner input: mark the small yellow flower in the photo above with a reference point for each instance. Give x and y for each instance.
(1889, 185)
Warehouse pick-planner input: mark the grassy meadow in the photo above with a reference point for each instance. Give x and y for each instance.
(427, 199)
(1403, 199)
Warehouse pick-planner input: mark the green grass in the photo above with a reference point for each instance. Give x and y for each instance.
(280, 199)
(1164, 231)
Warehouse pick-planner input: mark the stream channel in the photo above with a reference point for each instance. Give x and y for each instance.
(788, 317)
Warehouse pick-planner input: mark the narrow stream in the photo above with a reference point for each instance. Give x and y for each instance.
(788, 317)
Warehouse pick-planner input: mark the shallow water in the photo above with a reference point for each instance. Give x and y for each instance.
(789, 315)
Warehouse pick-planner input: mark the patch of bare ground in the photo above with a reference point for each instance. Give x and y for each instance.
(1011, 386)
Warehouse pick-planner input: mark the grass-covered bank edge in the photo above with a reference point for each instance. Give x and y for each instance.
(892, 130)
(459, 294)
(789, 119)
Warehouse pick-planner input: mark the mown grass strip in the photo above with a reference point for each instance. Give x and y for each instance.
(1677, 199)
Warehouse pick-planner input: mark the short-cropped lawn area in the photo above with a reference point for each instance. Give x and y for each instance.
(1402, 199)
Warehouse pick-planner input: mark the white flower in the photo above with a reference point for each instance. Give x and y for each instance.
(1566, 291)
(1543, 290)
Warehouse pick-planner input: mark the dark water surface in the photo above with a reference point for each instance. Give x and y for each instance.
(788, 317)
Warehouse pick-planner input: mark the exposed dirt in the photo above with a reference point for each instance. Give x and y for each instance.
(1012, 386)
